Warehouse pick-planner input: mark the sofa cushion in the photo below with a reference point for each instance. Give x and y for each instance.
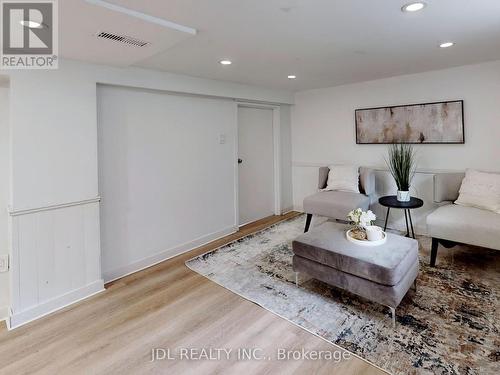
(335, 204)
(386, 264)
(343, 178)
(463, 224)
(366, 180)
(480, 190)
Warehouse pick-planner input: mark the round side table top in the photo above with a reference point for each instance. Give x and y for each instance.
(392, 201)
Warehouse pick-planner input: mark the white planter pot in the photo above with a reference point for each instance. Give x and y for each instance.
(403, 196)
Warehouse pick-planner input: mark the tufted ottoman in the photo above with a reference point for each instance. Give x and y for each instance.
(382, 274)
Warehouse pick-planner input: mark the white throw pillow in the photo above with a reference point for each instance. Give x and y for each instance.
(343, 178)
(480, 190)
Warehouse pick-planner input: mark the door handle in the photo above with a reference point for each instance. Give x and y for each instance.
(240, 161)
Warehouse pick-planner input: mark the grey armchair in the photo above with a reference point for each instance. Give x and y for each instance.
(337, 204)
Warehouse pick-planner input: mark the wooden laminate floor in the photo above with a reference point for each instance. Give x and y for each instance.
(171, 307)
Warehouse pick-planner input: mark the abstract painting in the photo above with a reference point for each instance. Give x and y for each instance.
(441, 122)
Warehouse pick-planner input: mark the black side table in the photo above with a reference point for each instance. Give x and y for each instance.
(391, 201)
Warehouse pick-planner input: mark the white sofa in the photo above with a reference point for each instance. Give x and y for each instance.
(451, 224)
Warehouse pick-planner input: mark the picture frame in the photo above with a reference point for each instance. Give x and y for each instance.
(421, 123)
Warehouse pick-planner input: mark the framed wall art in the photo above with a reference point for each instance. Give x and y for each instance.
(438, 122)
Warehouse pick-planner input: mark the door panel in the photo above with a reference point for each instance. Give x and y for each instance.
(256, 170)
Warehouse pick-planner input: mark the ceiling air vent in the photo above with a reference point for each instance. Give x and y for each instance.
(123, 39)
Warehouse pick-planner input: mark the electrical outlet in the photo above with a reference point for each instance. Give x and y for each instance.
(4, 263)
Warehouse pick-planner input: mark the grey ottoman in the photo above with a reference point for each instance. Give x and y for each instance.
(382, 274)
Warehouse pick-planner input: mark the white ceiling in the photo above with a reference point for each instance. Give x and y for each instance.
(323, 42)
(80, 22)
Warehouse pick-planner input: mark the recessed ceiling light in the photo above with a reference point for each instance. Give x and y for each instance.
(446, 45)
(413, 7)
(291, 76)
(31, 24)
(225, 62)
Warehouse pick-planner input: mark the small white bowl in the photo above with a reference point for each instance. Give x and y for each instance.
(374, 233)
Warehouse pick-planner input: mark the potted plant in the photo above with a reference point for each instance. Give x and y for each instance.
(402, 165)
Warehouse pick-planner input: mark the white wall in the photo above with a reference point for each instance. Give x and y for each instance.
(54, 169)
(54, 148)
(4, 196)
(55, 253)
(286, 158)
(323, 130)
(164, 178)
(56, 111)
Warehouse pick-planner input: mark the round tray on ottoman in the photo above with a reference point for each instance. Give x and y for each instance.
(365, 242)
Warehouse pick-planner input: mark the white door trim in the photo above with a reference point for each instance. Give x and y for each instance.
(276, 156)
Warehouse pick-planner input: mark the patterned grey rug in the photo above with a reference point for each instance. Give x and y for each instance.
(449, 326)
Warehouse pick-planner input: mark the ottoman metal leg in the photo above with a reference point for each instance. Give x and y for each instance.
(296, 278)
(415, 285)
(393, 313)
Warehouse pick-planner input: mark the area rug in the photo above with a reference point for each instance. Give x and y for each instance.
(450, 325)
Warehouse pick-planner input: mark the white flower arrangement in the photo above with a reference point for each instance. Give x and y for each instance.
(360, 218)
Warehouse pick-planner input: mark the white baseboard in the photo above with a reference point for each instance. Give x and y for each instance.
(20, 318)
(287, 210)
(298, 208)
(147, 262)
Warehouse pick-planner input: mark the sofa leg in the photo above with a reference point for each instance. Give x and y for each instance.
(308, 222)
(434, 251)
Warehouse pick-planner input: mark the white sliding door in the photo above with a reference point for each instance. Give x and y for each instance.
(166, 174)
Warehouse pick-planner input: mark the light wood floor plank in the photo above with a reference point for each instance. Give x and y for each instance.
(164, 306)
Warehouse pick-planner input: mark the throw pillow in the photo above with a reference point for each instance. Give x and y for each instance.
(343, 178)
(480, 190)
